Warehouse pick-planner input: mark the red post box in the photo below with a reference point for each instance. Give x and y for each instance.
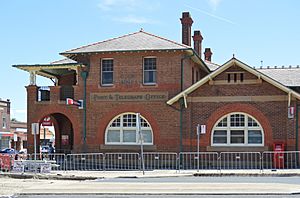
(278, 160)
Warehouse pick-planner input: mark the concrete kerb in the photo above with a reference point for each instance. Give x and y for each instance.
(93, 175)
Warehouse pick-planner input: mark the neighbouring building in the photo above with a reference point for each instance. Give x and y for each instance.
(18, 129)
(5, 135)
(174, 89)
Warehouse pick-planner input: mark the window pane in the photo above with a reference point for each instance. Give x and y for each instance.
(113, 136)
(129, 120)
(107, 65)
(107, 77)
(237, 120)
(116, 122)
(149, 63)
(220, 137)
(149, 76)
(254, 137)
(129, 136)
(237, 137)
(147, 135)
(223, 123)
(220, 140)
(252, 123)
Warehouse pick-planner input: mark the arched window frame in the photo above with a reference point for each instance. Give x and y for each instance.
(121, 128)
(230, 128)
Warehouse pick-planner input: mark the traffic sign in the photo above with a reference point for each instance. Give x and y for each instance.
(35, 128)
(47, 121)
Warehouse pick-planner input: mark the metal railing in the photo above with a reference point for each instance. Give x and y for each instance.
(85, 162)
(171, 161)
(122, 161)
(198, 161)
(160, 161)
(240, 160)
(281, 160)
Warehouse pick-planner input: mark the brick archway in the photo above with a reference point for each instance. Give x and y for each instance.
(244, 108)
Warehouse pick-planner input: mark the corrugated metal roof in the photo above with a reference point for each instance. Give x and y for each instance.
(131, 42)
(287, 76)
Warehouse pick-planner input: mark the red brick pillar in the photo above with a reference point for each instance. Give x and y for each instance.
(32, 95)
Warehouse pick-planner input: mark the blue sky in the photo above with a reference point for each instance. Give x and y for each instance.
(35, 31)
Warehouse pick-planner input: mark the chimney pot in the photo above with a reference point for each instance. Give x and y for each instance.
(197, 38)
(186, 22)
(207, 54)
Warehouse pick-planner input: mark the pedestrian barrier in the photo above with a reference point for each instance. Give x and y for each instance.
(85, 162)
(122, 161)
(281, 160)
(240, 160)
(159, 161)
(198, 161)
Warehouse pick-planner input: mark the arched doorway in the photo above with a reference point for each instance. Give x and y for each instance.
(59, 133)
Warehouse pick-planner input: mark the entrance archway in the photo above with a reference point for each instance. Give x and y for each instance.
(63, 134)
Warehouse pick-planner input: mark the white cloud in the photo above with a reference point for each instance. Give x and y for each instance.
(214, 4)
(134, 19)
(107, 5)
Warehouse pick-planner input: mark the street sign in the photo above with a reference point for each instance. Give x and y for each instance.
(203, 129)
(34, 128)
(79, 103)
(47, 121)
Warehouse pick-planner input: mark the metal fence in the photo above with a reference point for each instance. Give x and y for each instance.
(240, 160)
(172, 161)
(199, 161)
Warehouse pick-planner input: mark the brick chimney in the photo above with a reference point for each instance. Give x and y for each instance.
(186, 22)
(207, 54)
(197, 38)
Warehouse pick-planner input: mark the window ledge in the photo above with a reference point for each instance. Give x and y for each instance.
(237, 148)
(108, 147)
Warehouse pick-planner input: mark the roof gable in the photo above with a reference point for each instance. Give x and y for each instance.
(131, 42)
(224, 67)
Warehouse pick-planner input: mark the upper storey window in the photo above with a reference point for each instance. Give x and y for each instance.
(149, 68)
(107, 72)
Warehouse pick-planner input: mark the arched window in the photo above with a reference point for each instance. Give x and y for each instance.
(124, 130)
(237, 129)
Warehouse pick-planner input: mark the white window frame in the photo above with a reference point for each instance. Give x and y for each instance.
(145, 83)
(121, 128)
(228, 128)
(101, 72)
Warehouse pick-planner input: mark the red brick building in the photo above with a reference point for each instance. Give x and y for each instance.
(172, 88)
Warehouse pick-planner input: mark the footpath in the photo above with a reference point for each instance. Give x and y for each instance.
(111, 183)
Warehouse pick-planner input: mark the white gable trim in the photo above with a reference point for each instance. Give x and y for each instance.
(221, 69)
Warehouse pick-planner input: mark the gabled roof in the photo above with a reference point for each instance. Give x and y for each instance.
(289, 77)
(225, 66)
(131, 42)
